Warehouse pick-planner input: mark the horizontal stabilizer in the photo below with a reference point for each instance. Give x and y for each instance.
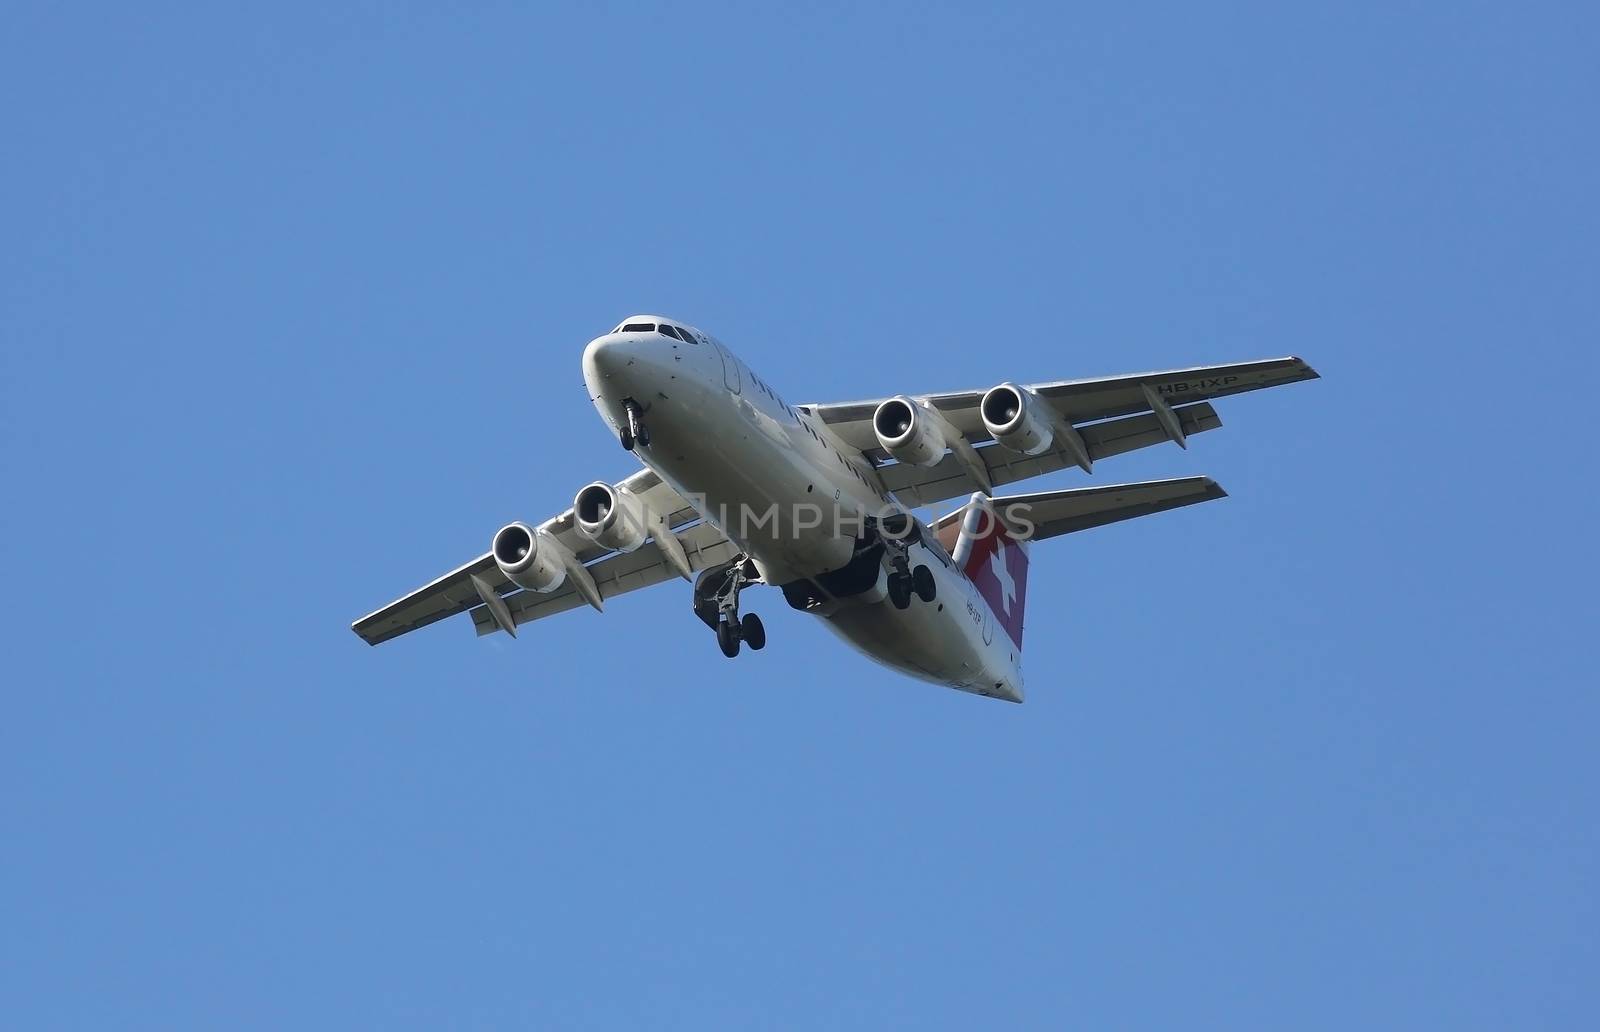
(1048, 514)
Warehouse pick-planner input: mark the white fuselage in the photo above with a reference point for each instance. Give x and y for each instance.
(775, 480)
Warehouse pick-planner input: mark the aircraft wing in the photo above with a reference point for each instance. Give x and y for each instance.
(917, 486)
(471, 586)
(1111, 415)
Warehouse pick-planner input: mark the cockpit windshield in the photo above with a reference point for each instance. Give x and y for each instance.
(665, 329)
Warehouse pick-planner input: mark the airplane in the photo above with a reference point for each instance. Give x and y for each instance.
(741, 488)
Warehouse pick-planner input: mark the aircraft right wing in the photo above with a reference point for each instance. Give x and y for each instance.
(479, 587)
(704, 545)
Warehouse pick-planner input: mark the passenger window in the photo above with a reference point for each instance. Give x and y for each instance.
(669, 331)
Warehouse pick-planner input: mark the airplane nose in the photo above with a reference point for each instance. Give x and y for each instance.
(603, 357)
(616, 366)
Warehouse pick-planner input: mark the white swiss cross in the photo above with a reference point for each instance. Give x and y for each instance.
(1002, 573)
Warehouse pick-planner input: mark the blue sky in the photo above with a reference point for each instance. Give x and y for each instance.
(290, 318)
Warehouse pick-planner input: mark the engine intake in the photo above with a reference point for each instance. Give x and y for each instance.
(1012, 416)
(907, 432)
(610, 518)
(517, 553)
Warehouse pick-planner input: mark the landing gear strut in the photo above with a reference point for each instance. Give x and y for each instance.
(634, 432)
(716, 603)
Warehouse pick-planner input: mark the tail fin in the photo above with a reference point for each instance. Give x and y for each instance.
(995, 560)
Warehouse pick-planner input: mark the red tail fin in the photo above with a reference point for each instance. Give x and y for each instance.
(996, 562)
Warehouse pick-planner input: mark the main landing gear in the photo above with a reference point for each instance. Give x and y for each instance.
(716, 603)
(634, 432)
(748, 629)
(904, 581)
(903, 584)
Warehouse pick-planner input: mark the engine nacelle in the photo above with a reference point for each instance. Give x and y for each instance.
(907, 432)
(610, 518)
(517, 553)
(1012, 416)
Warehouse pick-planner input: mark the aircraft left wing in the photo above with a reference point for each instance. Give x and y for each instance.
(612, 573)
(1107, 415)
(917, 486)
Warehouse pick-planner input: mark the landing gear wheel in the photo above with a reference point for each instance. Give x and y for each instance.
(628, 440)
(716, 603)
(728, 638)
(900, 590)
(751, 630)
(923, 584)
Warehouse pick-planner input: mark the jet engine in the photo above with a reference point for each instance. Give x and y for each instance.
(906, 432)
(517, 553)
(1012, 416)
(610, 518)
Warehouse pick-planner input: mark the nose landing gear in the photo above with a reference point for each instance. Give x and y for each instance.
(634, 432)
(716, 603)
